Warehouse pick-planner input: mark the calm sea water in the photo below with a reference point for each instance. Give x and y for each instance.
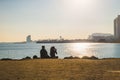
(101, 50)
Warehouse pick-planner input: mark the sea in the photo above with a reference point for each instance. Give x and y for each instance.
(100, 50)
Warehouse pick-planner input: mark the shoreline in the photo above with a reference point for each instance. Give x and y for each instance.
(53, 42)
(69, 57)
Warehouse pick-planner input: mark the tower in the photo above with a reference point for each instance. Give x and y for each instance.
(117, 28)
(28, 39)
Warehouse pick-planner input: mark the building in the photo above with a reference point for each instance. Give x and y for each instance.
(117, 28)
(101, 37)
(28, 39)
(61, 38)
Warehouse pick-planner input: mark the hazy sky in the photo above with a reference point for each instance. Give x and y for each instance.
(49, 19)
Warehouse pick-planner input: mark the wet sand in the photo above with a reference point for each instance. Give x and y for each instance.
(60, 69)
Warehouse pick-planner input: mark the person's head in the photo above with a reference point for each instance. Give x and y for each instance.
(43, 47)
(53, 48)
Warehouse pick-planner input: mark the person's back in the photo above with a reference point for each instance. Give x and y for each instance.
(43, 53)
(52, 52)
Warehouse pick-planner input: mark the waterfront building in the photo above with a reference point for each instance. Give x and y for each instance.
(101, 37)
(117, 28)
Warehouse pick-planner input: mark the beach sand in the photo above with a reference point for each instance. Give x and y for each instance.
(60, 69)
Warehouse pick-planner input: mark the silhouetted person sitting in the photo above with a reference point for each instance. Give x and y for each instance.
(53, 51)
(43, 53)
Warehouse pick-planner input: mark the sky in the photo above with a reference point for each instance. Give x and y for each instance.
(49, 19)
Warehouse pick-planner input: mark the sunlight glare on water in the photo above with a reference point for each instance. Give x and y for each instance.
(80, 49)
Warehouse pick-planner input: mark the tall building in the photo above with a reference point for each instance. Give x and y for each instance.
(28, 39)
(117, 28)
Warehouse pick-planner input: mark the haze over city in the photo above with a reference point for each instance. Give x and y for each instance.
(49, 19)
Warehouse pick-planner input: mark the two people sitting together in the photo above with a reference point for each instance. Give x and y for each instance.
(44, 54)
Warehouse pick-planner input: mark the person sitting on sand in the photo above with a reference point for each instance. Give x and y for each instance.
(43, 53)
(53, 51)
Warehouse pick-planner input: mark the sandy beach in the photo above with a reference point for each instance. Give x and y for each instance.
(60, 69)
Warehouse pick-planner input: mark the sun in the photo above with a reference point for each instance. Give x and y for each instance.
(85, 2)
(82, 1)
(79, 3)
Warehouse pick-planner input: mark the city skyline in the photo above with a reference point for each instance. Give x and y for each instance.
(44, 19)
